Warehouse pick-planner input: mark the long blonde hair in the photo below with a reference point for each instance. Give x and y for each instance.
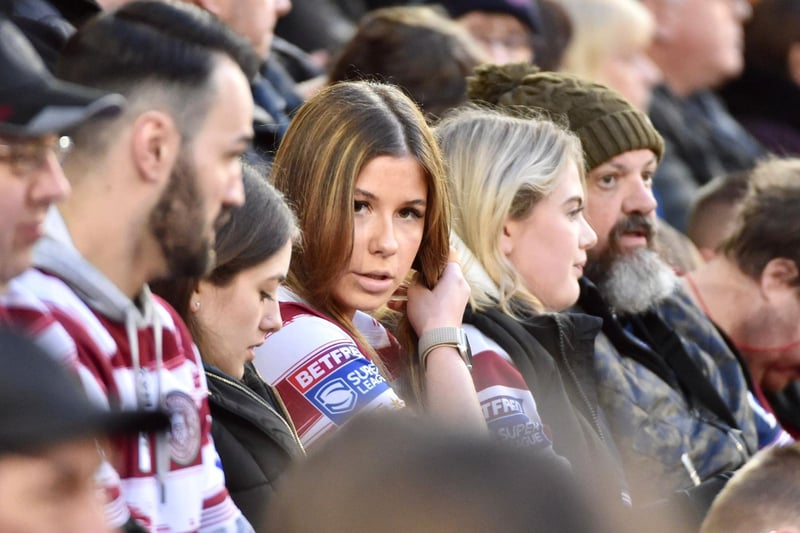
(499, 166)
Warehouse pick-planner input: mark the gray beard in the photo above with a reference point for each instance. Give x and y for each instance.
(637, 281)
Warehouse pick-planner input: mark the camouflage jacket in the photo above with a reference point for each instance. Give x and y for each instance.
(654, 420)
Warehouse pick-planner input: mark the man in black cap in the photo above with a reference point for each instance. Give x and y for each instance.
(505, 28)
(48, 443)
(34, 108)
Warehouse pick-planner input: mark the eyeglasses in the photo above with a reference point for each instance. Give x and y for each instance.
(27, 156)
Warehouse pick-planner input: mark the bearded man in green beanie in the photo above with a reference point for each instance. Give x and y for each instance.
(675, 394)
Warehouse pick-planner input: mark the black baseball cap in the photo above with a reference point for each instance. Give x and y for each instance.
(32, 101)
(42, 404)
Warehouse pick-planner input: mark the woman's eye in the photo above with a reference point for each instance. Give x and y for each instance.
(264, 296)
(575, 213)
(411, 213)
(359, 206)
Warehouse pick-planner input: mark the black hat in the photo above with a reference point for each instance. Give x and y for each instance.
(42, 404)
(526, 11)
(32, 101)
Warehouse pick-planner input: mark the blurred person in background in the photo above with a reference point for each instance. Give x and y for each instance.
(762, 496)
(48, 24)
(273, 89)
(609, 44)
(766, 97)
(699, 46)
(750, 288)
(505, 28)
(51, 443)
(714, 211)
(397, 473)
(417, 48)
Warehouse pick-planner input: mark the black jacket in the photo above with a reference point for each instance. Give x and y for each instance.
(252, 437)
(554, 354)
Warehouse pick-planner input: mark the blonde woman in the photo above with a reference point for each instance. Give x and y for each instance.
(518, 197)
(609, 45)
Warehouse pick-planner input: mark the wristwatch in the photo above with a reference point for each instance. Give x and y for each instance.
(450, 336)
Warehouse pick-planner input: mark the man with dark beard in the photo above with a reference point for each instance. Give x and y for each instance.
(149, 188)
(675, 395)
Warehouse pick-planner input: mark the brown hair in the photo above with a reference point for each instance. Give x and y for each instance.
(417, 48)
(330, 140)
(768, 225)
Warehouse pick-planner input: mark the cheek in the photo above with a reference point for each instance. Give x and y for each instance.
(223, 311)
(360, 243)
(411, 242)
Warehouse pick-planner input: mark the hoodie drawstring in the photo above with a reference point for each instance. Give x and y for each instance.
(133, 320)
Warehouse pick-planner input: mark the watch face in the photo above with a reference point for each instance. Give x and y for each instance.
(465, 349)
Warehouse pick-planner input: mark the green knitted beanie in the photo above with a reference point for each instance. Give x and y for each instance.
(603, 120)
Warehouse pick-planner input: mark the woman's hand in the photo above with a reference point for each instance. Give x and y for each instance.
(441, 307)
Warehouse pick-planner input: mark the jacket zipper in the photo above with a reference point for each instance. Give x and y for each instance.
(565, 359)
(287, 416)
(741, 445)
(262, 402)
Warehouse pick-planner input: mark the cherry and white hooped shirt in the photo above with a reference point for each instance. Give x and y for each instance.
(509, 407)
(321, 373)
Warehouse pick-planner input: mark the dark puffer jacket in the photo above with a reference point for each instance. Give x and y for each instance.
(554, 354)
(253, 438)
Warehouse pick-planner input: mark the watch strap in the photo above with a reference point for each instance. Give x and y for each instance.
(445, 336)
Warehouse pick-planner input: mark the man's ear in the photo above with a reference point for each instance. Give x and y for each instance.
(778, 274)
(507, 234)
(155, 144)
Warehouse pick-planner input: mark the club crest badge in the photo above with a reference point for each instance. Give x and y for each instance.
(184, 437)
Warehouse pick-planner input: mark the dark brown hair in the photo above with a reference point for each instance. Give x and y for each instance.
(417, 48)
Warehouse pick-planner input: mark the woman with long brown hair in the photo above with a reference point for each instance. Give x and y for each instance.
(362, 170)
